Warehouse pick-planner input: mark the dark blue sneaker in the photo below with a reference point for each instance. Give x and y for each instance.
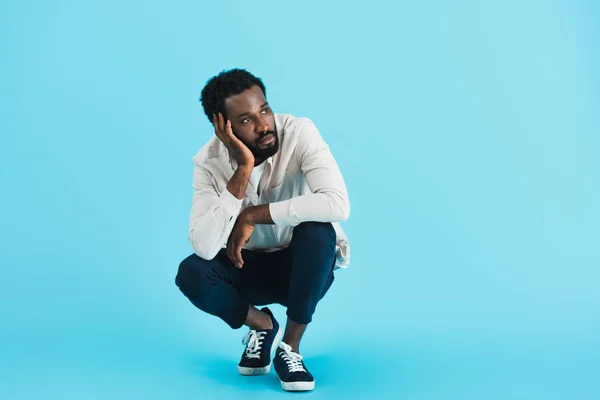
(291, 370)
(256, 359)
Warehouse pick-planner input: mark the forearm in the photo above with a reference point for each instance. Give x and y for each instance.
(213, 218)
(257, 215)
(239, 181)
(316, 207)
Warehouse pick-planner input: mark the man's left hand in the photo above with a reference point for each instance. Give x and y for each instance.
(239, 236)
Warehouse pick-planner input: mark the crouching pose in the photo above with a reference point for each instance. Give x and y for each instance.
(268, 196)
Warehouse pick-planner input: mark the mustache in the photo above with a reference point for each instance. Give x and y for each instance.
(265, 134)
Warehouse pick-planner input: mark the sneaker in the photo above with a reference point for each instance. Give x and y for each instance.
(291, 370)
(256, 359)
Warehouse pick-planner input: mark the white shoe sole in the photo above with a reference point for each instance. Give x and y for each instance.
(297, 386)
(262, 370)
(254, 371)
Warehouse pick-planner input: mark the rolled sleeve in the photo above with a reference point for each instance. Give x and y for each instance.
(282, 213)
(229, 203)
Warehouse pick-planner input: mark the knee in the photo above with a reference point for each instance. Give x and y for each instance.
(314, 241)
(322, 232)
(187, 275)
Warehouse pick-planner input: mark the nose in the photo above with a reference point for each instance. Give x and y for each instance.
(262, 126)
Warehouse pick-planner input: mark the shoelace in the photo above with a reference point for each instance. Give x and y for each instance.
(253, 341)
(293, 360)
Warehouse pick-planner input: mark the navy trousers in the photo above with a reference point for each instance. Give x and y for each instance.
(296, 277)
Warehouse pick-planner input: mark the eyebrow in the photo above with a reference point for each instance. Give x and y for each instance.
(266, 103)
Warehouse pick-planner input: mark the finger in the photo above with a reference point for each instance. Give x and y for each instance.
(220, 124)
(231, 253)
(228, 129)
(216, 125)
(238, 256)
(236, 251)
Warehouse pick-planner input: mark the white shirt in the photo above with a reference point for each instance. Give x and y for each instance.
(301, 182)
(255, 176)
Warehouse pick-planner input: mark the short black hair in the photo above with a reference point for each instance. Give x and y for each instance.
(226, 84)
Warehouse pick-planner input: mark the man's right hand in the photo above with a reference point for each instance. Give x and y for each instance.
(237, 149)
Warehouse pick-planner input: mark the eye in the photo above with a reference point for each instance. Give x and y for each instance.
(245, 120)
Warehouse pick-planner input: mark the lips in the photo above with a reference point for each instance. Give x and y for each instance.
(270, 138)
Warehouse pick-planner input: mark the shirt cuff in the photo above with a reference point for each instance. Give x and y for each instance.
(280, 212)
(229, 203)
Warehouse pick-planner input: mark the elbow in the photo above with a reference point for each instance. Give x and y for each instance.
(340, 207)
(205, 254)
(345, 211)
(202, 248)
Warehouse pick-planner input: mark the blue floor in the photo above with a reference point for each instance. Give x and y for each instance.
(195, 356)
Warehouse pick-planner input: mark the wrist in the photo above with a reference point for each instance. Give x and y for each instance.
(246, 167)
(247, 215)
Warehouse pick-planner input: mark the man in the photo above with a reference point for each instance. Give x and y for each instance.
(268, 196)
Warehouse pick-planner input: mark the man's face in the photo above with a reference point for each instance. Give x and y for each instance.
(253, 122)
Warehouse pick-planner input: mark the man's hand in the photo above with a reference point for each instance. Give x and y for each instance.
(243, 228)
(237, 149)
(239, 236)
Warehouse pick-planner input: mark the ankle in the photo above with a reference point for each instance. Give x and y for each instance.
(258, 320)
(262, 323)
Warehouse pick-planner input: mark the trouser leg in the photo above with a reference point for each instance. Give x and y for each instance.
(223, 290)
(313, 260)
(213, 287)
(297, 277)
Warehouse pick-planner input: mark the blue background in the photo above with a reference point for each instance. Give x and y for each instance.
(468, 134)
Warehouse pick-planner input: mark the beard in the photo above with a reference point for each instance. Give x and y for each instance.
(261, 152)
